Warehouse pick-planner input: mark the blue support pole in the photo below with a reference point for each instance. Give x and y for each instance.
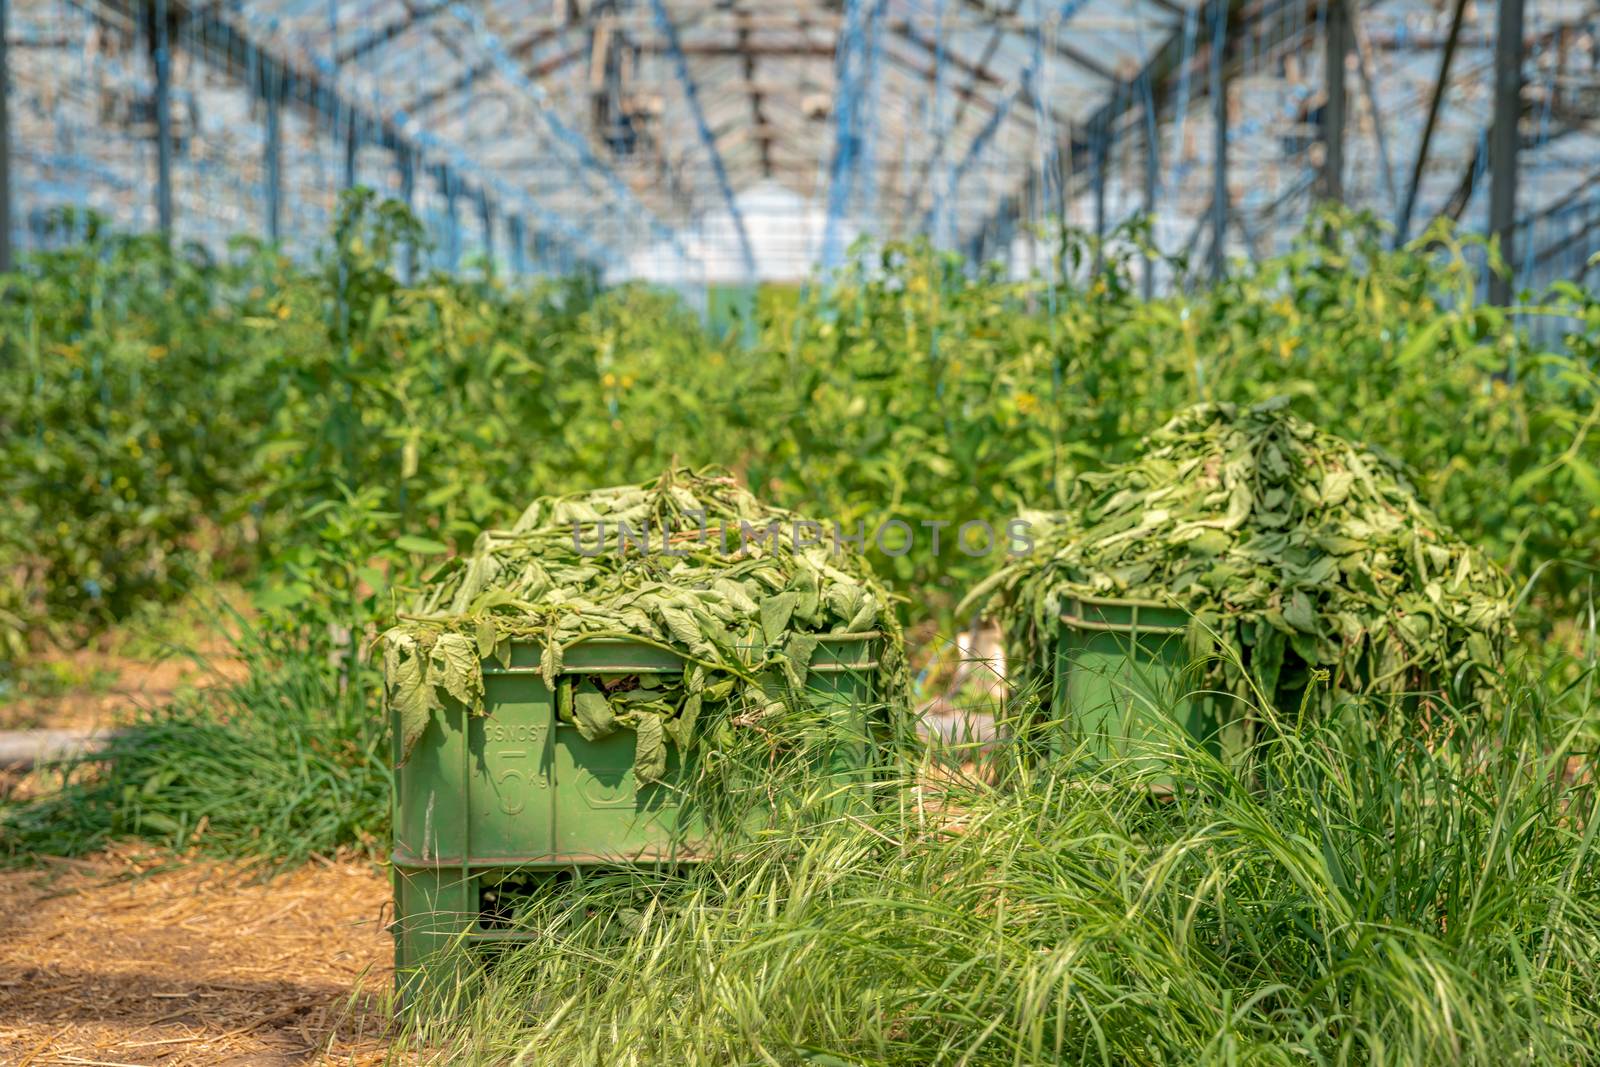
(865, 184)
(486, 220)
(1504, 141)
(1025, 87)
(691, 93)
(452, 221)
(941, 128)
(274, 161)
(517, 238)
(1219, 138)
(853, 58)
(161, 55)
(5, 147)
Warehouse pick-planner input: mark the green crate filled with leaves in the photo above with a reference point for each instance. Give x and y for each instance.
(632, 676)
(1281, 571)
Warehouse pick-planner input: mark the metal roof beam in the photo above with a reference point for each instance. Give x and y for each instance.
(429, 99)
(384, 34)
(788, 50)
(573, 140)
(1157, 73)
(758, 108)
(218, 42)
(942, 139)
(1023, 91)
(976, 73)
(1066, 51)
(692, 95)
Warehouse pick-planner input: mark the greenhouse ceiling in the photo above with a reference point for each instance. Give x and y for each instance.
(695, 140)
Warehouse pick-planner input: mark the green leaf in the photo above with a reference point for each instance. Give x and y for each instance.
(776, 611)
(155, 820)
(650, 751)
(681, 728)
(410, 695)
(591, 712)
(797, 657)
(453, 666)
(422, 546)
(487, 636)
(550, 658)
(1586, 477)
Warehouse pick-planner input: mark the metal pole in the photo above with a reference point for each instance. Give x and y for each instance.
(1503, 142)
(406, 159)
(163, 67)
(1100, 197)
(486, 218)
(274, 156)
(352, 144)
(1363, 49)
(1147, 282)
(1408, 205)
(517, 235)
(408, 177)
(5, 148)
(452, 222)
(1219, 114)
(1336, 39)
(1100, 138)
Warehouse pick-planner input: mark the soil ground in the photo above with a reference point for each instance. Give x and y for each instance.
(109, 961)
(97, 688)
(133, 958)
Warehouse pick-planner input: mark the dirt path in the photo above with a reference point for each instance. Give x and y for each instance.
(203, 965)
(99, 689)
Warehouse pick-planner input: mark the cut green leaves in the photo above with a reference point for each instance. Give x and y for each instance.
(1312, 552)
(746, 618)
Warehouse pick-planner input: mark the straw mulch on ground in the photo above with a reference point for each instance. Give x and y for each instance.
(113, 961)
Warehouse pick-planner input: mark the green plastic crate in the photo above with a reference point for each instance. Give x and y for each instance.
(515, 789)
(1120, 679)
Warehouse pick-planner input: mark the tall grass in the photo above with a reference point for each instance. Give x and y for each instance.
(282, 763)
(1371, 890)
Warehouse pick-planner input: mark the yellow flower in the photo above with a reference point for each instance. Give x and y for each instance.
(1027, 403)
(608, 380)
(627, 381)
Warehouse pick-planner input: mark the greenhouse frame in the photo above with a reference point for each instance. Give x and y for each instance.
(720, 142)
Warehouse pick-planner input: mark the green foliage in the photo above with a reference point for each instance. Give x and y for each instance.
(165, 417)
(123, 413)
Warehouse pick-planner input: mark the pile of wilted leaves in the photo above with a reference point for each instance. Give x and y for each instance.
(691, 562)
(1295, 550)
